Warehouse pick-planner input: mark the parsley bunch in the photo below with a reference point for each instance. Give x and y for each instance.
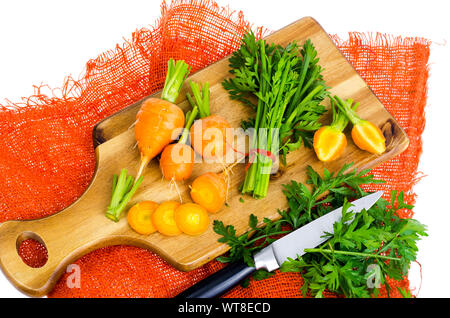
(289, 88)
(364, 250)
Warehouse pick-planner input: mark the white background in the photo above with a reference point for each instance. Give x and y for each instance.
(44, 41)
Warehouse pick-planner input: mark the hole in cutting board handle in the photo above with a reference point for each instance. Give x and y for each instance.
(32, 249)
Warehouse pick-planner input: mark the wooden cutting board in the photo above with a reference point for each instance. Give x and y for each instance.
(82, 227)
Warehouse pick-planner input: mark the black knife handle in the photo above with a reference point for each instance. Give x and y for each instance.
(219, 282)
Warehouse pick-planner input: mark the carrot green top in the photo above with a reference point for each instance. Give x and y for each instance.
(175, 77)
(339, 109)
(348, 110)
(190, 117)
(201, 96)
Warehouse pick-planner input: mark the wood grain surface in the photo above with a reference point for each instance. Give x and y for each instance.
(82, 227)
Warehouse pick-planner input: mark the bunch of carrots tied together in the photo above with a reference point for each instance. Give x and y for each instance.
(288, 87)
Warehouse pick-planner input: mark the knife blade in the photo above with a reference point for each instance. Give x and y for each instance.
(308, 236)
(274, 255)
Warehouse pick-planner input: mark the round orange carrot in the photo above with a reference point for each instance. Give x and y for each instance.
(209, 136)
(192, 218)
(177, 162)
(140, 217)
(164, 218)
(210, 191)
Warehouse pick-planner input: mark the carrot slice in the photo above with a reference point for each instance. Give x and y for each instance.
(192, 218)
(164, 220)
(140, 217)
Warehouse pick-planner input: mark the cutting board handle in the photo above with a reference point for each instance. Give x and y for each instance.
(33, 281)
(68, 235)
(59, 240)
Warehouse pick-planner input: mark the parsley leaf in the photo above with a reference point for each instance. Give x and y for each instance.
(365, 249)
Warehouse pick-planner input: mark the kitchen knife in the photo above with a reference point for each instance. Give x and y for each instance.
(272, 256)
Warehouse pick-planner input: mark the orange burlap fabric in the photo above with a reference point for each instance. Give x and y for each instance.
(47, 158)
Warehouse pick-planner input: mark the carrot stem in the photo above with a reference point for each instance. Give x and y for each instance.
(118, 192)
(129, 184)
(190, 100)
(190, 119)
(123, 190)
(206, 98)
(201, 98)
(346, 108)
(340, 120)
(119, 188)
(175, 77)
(122, 197)
(127, 198)
(367, 255)
(114, 183)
